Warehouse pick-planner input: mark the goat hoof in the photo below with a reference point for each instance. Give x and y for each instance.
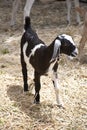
(68, 22)
(25, 92)
(26, 89)
(36, 102)
(61, 106)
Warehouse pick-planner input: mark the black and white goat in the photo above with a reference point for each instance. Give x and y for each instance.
(41, 57)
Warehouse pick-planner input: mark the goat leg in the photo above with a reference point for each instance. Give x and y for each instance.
(24, 72)
(37, 88)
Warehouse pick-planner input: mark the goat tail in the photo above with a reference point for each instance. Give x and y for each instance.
(27, 23)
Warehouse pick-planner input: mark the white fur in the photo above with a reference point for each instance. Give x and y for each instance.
(56, 47)
(27, 58)
(35, 48)
(27, 8)
(24, 52)
(51, 66)
(68, 38)
(76, 51)
(57, 89)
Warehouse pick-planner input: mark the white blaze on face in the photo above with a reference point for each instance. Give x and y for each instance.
(68, 37)
(76, 50)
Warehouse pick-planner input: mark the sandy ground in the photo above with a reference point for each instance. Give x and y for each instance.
(17, 111)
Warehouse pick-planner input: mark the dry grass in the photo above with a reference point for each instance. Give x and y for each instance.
(17, 111)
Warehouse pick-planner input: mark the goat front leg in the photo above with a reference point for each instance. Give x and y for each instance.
(56, 85)
(37, 87)
(24, 72)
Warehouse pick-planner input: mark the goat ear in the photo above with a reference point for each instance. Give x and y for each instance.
(58, 43)
(61, 37)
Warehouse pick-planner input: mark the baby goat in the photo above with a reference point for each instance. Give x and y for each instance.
(41, 57)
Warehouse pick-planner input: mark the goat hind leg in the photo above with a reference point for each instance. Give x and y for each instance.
(37, 87)
(24, 72)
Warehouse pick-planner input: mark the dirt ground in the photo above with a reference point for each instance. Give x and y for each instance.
(17, 111)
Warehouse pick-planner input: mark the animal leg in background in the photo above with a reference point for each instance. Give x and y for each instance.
(83, 40)
(81, 45)
(27, 8)
(15, 6)
(69, 5)
(77, 14)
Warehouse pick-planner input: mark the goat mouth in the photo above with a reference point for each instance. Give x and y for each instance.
(73, 54)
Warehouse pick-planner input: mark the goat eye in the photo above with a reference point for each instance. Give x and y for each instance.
(66, 44)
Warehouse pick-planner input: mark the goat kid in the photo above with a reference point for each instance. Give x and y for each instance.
(29, 4)
(41, 57)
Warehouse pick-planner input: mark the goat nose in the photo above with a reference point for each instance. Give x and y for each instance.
(76, 51)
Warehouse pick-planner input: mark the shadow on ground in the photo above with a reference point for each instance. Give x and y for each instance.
(40, 112)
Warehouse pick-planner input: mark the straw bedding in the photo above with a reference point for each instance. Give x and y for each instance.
(17, 111)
